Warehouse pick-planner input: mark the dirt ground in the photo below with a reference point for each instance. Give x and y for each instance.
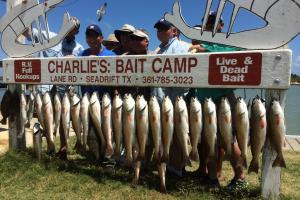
(4, 143)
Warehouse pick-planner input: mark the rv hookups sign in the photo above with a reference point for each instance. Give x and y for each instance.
(27, 71)
(235, 69)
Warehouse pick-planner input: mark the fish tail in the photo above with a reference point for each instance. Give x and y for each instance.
(279, 161)
(253, 166)
(156, 156)
(194, 155)
(165, 158)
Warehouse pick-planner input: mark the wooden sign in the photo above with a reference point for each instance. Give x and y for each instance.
(246, 69)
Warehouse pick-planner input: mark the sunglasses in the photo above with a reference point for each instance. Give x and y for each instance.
(136, 38)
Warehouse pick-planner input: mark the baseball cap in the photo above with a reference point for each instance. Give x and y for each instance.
(94, 28)
(126, 29)
(162, 23)
(140, 34)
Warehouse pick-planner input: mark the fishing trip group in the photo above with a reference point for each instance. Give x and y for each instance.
(132, 127)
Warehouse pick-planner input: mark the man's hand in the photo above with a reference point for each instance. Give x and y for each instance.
(196, 49)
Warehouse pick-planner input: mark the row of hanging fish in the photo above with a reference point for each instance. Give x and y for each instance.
(106, 126)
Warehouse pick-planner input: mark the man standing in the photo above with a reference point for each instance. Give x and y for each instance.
(94, 39)
(166, 33)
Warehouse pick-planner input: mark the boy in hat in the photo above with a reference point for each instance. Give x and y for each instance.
(122, 36)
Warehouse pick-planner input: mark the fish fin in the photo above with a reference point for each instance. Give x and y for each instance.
(3, 121)
(279, 161)
(194, 155)
(253, 167)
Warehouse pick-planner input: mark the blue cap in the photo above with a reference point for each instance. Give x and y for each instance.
(94, 28)
(163, 23)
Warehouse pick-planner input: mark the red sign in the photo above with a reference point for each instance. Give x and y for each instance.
(28, 71)
(235, 69)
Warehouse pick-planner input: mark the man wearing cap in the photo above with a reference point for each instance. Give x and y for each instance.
(166, 33)
(210, 171)
(111, 43)
(94, 39)
(123, 37)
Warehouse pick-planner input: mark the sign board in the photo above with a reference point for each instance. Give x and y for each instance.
(245, 69)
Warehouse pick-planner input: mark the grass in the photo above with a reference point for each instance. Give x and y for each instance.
(22, 177)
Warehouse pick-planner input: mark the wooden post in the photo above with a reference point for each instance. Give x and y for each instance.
(37, 141)
(270, 185)
(17, 140)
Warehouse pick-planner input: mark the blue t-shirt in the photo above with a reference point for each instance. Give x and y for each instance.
(104, 52)
(100, 89)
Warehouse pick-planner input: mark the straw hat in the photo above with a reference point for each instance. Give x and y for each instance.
(126, 29)
(110, 39)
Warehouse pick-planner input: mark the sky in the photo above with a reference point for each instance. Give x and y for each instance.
(144, 14)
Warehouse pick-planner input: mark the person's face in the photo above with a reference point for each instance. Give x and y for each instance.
(93, 39)
(164, 34)
(125, 40)
(139, 44)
